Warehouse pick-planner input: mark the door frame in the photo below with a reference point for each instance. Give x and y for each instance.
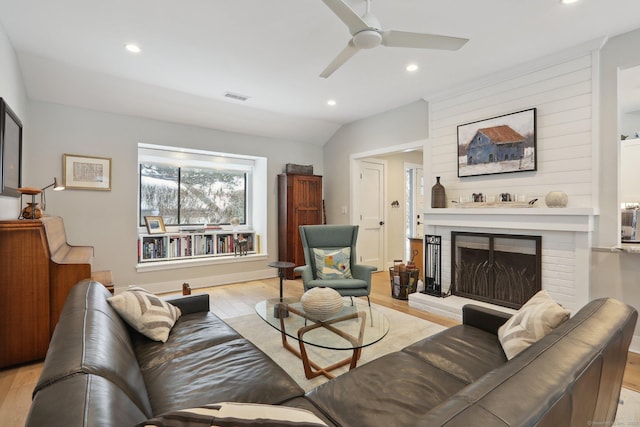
(356, 210)
(354, 181)
(413, 166)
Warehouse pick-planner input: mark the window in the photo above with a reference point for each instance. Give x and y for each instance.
(192, 187)
(189, 195)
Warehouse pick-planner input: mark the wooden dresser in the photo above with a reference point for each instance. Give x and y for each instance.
(37, 269)
(299, 203)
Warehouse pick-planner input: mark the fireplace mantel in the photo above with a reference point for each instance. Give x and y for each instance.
(566, 246)
(550, 219)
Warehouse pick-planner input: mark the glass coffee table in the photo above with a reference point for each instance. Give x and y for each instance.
(353, 328)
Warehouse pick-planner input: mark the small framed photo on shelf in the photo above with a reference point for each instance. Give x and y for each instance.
(86, 173)
(155, 224)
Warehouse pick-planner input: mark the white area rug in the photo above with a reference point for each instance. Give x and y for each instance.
(403, 330)
(628, 408)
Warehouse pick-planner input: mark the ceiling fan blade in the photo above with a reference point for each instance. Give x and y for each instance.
(346, 15)
(342, 57)
(394, 38)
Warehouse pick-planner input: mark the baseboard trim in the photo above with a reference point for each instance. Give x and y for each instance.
(204, 282)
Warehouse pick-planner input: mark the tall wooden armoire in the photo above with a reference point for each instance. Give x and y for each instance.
(299, 203)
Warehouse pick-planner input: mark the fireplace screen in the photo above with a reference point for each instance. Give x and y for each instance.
(496, 268)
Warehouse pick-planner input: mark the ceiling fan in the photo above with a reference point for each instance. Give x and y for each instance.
(367, 33)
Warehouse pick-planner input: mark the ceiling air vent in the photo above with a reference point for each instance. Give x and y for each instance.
(236, 96)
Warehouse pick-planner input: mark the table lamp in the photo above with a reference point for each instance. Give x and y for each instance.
(32, 210)
(56, 187)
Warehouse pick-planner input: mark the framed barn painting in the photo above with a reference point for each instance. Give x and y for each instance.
(500, 144)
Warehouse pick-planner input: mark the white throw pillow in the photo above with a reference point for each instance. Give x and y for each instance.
(146, 313)
(237, 414)
(535, 319)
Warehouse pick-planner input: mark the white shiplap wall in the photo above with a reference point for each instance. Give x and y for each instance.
(562, 90)
(562, 93)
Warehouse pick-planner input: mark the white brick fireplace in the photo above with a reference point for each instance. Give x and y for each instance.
(566, 247)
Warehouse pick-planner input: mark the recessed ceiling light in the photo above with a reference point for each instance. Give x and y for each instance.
(331, 102)
(133, 48)
(569, 1)
(412, 67)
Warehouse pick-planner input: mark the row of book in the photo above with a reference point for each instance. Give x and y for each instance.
(152, 248)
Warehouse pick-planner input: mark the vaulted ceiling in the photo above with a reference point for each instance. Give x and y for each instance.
(194, 51)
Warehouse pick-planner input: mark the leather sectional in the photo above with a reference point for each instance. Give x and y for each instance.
(99, 372)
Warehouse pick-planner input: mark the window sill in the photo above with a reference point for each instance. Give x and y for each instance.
(176, 263)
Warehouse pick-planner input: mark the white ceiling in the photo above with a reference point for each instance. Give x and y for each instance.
(193, 51)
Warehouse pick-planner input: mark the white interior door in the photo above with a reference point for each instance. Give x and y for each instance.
(414, 213)
(418, 214)
(370, 196)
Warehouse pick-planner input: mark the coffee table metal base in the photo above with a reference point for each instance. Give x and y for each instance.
(312, 369)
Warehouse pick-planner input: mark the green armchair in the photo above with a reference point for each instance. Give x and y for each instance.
(334, 237)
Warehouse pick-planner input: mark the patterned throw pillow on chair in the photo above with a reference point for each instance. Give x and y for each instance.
(146, 313)
(333, 263)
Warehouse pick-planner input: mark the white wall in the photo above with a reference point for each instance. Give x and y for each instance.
(630, 170)
(617, 54)
(560, 88)
(405, 124)
(630, 124)
(12, 90)
(107, 220)
(614, 274)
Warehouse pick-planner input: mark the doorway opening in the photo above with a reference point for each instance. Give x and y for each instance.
(414, 205)
(393, 227)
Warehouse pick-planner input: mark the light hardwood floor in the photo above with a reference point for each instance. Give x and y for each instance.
(16, 384)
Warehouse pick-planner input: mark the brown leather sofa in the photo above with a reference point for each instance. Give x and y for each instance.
(99, 372)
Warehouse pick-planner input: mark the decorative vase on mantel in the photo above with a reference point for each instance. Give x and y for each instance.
(438, 196)
(556, 199)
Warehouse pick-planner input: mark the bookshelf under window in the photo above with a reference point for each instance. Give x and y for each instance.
(184, 245)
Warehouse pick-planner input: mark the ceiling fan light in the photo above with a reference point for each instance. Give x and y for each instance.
(367, 39)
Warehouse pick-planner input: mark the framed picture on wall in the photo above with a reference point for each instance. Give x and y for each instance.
(500, 144)
(86, 173)
(10, 151)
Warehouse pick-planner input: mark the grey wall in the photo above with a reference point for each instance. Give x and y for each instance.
(13, 92)
(614, 274)
(630, 124)
(107, 220)
(405, 124)
(618, 53)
